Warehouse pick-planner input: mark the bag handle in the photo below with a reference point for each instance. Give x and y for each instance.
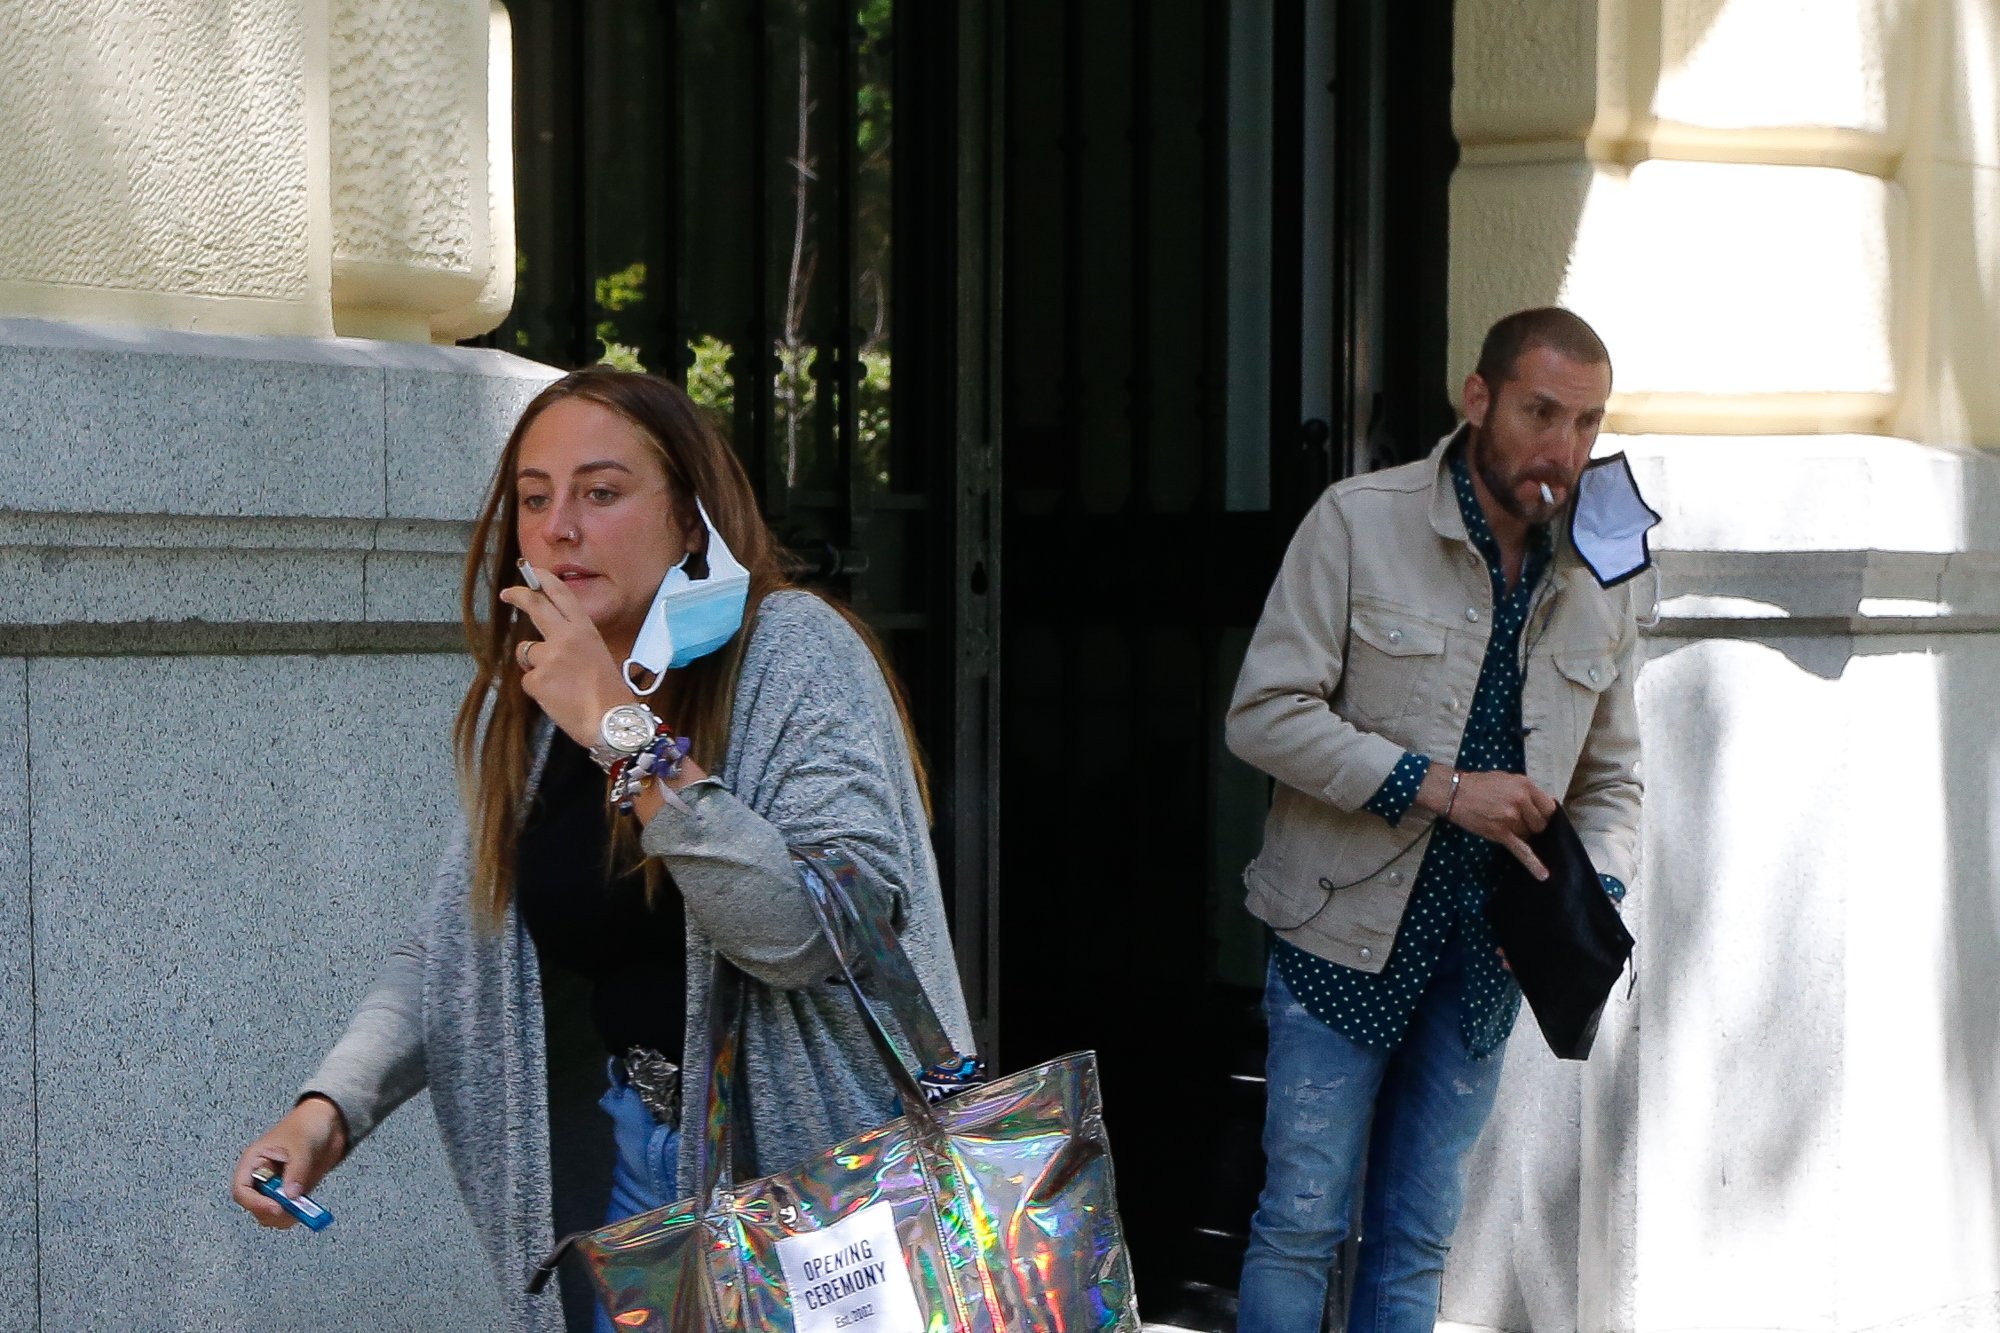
(865, 939)
(853, 934)
(862, 944)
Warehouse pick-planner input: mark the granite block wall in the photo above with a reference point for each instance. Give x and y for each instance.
(228, 666)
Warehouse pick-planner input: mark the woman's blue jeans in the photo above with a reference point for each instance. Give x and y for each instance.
(643, 1171)
(1428, 1099)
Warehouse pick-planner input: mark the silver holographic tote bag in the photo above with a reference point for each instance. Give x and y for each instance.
(992, 1211)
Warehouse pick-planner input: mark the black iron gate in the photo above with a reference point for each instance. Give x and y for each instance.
(1211, 275)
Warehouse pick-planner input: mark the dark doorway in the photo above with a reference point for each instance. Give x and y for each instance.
(1218, 299)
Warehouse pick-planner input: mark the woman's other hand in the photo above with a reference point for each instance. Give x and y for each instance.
(302, 1148)
(569, 671)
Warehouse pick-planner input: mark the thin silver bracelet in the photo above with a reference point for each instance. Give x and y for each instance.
(1451, 800)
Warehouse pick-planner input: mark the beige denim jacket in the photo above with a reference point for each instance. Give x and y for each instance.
(1370, 644)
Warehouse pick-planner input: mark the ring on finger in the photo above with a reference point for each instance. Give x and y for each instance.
(522, 653)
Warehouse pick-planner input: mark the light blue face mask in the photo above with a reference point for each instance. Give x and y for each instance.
(689, 618)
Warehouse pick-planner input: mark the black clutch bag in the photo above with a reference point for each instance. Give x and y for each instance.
(1563, 937)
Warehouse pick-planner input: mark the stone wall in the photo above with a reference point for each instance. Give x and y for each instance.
(1782, 218)
(228, 664)
(230, 651)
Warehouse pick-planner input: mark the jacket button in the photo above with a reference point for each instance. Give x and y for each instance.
(1593, 675)
(1367, 953)
(1395, 877)
(1396, 636)
(1472, 614)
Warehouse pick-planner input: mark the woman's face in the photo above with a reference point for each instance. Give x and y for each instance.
(592, 509)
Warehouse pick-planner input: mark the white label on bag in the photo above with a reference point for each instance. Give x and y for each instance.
(850, 1277)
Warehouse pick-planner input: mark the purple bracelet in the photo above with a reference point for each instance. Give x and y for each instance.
(661, 760)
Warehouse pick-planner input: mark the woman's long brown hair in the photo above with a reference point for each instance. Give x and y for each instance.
(493, 736)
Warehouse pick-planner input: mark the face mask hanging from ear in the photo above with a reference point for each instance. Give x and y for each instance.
(689, 618)
(1610, 520)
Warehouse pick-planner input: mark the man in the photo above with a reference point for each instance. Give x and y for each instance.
(1434, 670)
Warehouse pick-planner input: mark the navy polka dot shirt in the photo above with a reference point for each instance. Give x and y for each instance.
(1447, 906)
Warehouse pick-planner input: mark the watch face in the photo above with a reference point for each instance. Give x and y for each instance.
(628, 727)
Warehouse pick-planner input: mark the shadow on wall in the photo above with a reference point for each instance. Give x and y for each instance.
(1696, 920)
(1961, 319)
(1969, 972)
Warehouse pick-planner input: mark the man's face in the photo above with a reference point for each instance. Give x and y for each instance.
(1539, 427)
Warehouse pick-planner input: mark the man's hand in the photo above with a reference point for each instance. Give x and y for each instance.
(1502, 807)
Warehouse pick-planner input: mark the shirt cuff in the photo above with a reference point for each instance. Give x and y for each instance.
(1393, 798)
(1615, 887)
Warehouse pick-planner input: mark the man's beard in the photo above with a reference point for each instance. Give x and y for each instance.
(1502, 487)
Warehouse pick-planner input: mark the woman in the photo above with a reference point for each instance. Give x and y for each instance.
(794, 736)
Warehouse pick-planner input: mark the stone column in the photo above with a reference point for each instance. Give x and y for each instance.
(230, 650)
(1782, 218)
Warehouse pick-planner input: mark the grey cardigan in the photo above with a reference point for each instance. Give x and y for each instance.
(816, 756)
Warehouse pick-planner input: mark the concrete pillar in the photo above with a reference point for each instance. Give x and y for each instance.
(1783, 219)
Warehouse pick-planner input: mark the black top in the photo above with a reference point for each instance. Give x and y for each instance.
(595, 926)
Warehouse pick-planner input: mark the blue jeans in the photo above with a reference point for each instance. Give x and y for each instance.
(1428, 1099)
(643, 1171)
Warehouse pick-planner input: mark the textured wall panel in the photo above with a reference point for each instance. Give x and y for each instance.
(409, 146)
(159, 146)
(1525, 72)
(1963, 102)
(1515, 231)
(1718, 282)
(1959, 402)
(496, 294)
(1758, 280)
(194, 957)
(1750, 64)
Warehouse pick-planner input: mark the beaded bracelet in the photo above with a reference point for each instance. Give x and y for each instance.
(659, 761)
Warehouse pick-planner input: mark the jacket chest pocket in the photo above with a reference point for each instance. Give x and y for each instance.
(1582, 677)
(1392, 661)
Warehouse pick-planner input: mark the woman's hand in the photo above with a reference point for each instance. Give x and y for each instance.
(302, 1147)
(568, 671)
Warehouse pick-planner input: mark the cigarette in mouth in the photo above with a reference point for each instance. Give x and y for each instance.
(1548, 496)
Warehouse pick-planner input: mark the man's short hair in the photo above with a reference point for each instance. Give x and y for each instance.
(1546, 326)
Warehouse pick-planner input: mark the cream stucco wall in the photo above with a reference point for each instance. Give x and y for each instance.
(1784, 217)
(301, 167)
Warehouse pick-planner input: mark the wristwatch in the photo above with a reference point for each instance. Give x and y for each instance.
(625, 730)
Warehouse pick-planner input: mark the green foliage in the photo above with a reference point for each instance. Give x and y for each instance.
(615, 292)
(709, 380)
(871, 416)
(625, 288)
(618, 355)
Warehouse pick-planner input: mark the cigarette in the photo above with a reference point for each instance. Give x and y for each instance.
(1548, 496)
(528, 570)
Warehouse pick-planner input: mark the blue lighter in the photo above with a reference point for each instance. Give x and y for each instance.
(271, 1186)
